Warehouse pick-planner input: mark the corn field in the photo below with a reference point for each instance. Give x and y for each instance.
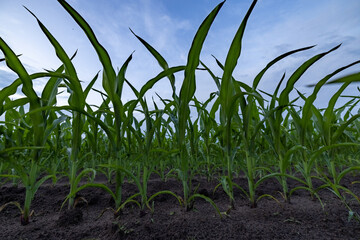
(239, 131)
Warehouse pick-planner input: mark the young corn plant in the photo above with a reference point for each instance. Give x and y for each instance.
(40, 129)
(145, 143)
(229, 100)
(77, 102)
(187, 92)
(206, 125)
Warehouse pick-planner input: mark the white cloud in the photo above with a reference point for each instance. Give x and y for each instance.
(6, 69)
(16, 96)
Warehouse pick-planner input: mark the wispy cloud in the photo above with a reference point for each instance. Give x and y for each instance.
(6, 77)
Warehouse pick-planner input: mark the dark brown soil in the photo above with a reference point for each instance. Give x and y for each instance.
(303, 218)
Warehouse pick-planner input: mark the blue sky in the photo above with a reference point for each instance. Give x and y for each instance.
(275, 27)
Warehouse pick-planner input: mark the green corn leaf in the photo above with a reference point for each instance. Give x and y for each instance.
(227, 85)
(12, 88)
(189, 85)
(14, 64)
(274, 96)
(237, 84)
(349, 78)
(121, 76)
(260, 75)
(284, 96)
(78, 97)
(329, 113)
(316, 154)
(48, 95)
(16, 103)
(110, 76)
(149, 84)
(343, 126)
(136, 92)
(216, 79)
(9, 90)
(90, 85)
(162, 62)
(355, 77)
(53, 125)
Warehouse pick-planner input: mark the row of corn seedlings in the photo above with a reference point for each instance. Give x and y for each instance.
(239, 130)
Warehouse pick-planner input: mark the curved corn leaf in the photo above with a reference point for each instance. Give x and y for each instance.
(260, 75)
(189, 85)
(284, 95)
(162, 62)
(90, 85)
(78, 97)
(121, 76)
(109, 83)
(227, 85)
(14, 64)
(149, 84)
